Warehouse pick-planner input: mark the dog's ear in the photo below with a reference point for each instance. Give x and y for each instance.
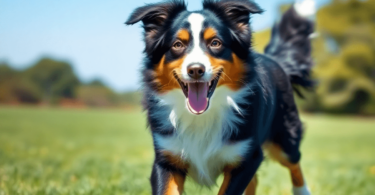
(154, 16)
(236, 13)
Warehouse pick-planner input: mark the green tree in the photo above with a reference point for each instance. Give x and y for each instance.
(54, 79)
(14, 88)
(97, 94)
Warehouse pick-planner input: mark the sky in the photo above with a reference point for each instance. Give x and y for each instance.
(90, 34)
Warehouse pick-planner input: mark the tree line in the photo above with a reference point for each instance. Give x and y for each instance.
(54, 82)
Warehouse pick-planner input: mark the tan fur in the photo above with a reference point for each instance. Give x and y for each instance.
(209, 33)
(276, 153)
(227, 177)
(251, 188)
(233, 71)
(297, 176)
(183, 35)
(164, 75)
(175, 185)
(175, 160)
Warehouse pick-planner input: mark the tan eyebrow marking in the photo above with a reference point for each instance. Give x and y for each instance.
(183, 35)
(209, 33)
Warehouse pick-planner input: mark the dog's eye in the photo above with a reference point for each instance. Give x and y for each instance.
(178, 45)
(215, 43)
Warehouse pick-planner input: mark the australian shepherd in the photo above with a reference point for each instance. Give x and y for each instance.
(213, 104)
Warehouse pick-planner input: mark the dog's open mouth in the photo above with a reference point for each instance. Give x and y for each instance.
(198, 94)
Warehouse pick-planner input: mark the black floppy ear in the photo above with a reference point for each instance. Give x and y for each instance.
(236, 13)
(154, 16)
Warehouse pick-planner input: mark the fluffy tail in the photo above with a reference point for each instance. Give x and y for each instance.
(290, 44)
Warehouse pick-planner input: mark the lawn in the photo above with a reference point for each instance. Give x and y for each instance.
(94, 151)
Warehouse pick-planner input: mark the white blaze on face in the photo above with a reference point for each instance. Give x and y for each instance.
(196, 55)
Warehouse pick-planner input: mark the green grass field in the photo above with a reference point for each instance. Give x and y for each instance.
(61, 151)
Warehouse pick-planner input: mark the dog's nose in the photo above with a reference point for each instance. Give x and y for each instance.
(196, 71)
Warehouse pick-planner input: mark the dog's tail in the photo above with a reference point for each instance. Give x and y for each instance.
(290, 44)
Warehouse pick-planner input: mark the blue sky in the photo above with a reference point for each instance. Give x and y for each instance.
(88, 33)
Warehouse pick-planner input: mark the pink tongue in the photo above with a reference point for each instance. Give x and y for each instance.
(197, 96)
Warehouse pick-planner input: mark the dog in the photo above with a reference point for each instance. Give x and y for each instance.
(214, 105)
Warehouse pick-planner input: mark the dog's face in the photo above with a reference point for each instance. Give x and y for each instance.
(196, 52)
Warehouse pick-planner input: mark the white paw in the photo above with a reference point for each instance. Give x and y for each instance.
(305, 8)
(304, 190)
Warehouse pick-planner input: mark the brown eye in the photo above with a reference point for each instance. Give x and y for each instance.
(178, 45)
(215, 43)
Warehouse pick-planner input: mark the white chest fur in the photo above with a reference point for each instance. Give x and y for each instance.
(199, 139)
(206, 157)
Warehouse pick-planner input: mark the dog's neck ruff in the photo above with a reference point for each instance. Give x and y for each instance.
(201, 140)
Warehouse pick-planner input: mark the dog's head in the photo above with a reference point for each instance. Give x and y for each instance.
(196, 52)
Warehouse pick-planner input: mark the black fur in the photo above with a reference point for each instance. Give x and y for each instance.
(270, 113)
(156, 19)
(236, 16)
(290, 46)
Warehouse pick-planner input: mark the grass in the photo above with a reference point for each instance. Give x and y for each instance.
(62, 151)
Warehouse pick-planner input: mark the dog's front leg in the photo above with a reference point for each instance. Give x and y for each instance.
(237, 179)
(166, 179)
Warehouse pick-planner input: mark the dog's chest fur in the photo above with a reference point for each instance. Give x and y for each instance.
(201, 140)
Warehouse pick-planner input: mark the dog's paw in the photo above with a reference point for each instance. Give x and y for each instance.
(304, 190)
(305, 8)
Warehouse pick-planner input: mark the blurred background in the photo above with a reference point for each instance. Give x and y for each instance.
(70, 115)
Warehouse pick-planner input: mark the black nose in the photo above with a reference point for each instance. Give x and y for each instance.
(196, 71)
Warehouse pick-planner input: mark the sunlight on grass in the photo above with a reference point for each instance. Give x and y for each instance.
(60, 151)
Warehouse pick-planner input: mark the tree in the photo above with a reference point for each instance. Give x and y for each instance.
(14, 88)
(97, 94)
(54, 79)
